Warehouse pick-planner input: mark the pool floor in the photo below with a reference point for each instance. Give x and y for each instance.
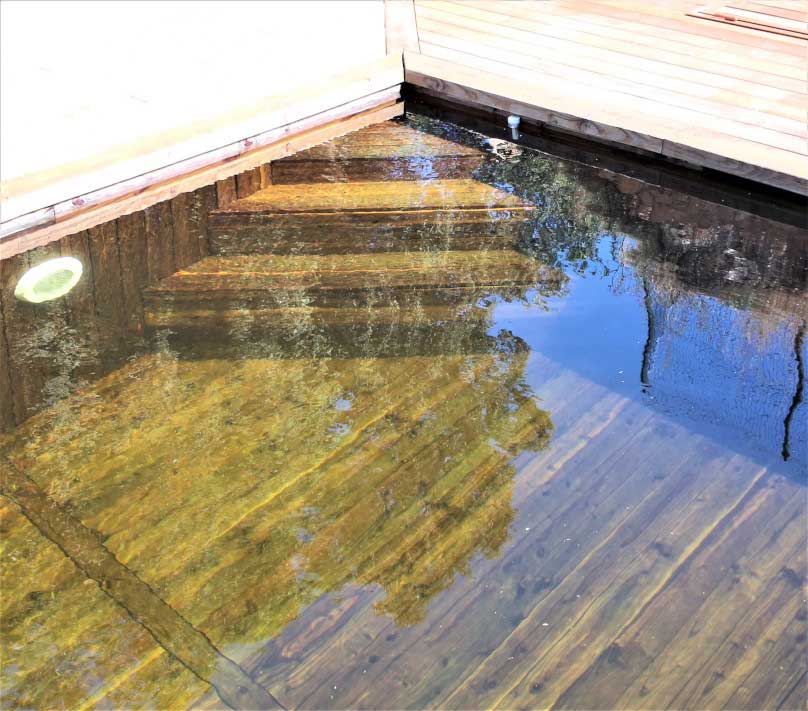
(435, 421)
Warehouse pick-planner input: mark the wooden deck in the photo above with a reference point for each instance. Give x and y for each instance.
(643, 75)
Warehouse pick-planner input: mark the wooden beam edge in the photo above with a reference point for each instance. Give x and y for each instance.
(208, 169)
(435, 77)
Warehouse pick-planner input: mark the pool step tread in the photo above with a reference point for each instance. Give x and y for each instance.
(387, 150)
(297, 273)
(348, 332)
(381, 216)
(374, 196)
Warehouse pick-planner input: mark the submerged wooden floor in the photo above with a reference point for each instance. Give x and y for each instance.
(641, 74)
(421, 529)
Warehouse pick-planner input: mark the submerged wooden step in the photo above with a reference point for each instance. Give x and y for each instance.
(405, 279)
(346, 332)
(371, 216)
(385, 151)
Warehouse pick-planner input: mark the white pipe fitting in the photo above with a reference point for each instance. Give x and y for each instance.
(513, 124)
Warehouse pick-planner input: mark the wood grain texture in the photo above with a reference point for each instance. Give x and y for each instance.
(173, 633)
(480, 30)
(278, 281)
(369, 216)
(45, 598)
(248, 182)
(675, 90)
(468, 499)
(96, 326)
(418, 510)
(387, 196)
(387, 150)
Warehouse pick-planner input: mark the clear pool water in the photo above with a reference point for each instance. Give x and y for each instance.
(548, 450)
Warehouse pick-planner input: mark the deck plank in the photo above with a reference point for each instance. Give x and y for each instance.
(695, 622)
(592, 19)
(602, 74)
(554, 33)
(609, 117)
(740, 122)
(584, 66)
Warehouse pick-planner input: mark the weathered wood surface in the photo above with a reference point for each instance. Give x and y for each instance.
(97, 325)
(567, 594)
(270, 281)
(621, 71)
(382, 152)
(373, 500)
(379, 518)
(80, 646)
(369, 216)
(385, 196)
(614, 535)
(174, 634)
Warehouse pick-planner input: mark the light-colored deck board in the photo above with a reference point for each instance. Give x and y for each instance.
(593, 65)
(721, 97)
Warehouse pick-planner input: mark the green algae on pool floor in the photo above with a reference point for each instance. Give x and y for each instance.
(446, 430)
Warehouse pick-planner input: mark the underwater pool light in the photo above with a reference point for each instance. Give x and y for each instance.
(49, 280)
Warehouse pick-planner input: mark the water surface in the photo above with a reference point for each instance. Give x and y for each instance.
(545, 452)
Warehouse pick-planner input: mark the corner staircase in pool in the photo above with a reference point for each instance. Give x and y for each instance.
(383, 229)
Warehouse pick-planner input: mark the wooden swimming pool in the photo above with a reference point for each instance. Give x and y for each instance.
(416, 418)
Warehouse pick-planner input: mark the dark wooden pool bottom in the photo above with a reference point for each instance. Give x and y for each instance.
(194, 519)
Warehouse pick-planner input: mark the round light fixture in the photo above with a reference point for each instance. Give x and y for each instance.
(49, 280)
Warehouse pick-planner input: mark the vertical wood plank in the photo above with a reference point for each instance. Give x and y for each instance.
(80, 301)
(106, 259)
(205, 199)
(186, 241)
(159, 241)
(266, 174)
(89, 334)
(248, 182)
(13, 398)
(226, 192)
(134, 269)
(17, 329)
(7, 415)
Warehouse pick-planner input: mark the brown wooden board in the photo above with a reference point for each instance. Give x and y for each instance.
(386, 151)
